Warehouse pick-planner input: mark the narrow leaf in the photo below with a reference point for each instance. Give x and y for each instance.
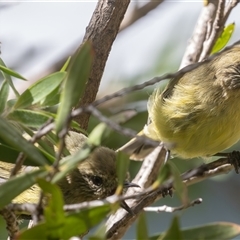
(29, 118)
(70, 162)
(74, 87)
(16, 185)
(64, 67)
(9, 71)
(213, 231)
(142, 231)
(85, 220)
(122, 168)
(174, 231)
(8, 78)
(164, 174)
(40, 90)
(98, 134)
(14, 139)
(4, 91)
(53, 212)
(179, 185)
(224, 38)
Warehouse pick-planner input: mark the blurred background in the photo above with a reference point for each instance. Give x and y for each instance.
(37, 37)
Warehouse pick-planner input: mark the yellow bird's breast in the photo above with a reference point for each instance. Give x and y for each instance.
(197, 120)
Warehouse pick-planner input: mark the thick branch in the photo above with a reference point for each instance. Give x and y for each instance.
(200, 33)
(101, 31)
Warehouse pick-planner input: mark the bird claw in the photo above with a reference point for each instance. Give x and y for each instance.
(167, 192)
(234, 159)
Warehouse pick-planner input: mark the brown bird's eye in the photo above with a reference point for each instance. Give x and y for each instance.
(97, 180)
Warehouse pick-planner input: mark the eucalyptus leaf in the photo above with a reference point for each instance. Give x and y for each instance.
(4, 91)
(224, 38)
(164, 174)
(10, 155)
(8, 78)
(179, 185)
(98, 134)
(174, 231)
(53, 212)
(85, 220)
(100, 233)
(40, 90)
(122, 167)
(75, 83)
(16, 185)
(70, 162)
(142, 231)
(14, 139)
(9, 71)
(52, 99)
(30, 118)
(213, 231)
(65, 65)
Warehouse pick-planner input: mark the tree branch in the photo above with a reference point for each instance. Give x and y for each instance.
(101, 31)
(139, 12)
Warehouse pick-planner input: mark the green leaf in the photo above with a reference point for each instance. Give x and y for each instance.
(221, 230)
(40, 90)
(38, 232)
(9, 71)
(100, 234)
(74, 87)
(98, 134)
(213, 231)
(179, 185)
(224, 38)
(85, 220)
(16, 185)
(70, 162)
(142, 231)
(164, 174)
(10, 155)
(122, 167)
(14, 139)
(53, 212)
(52, 99)
(174, 231)
(4, 91)
(8, 78)
(64, 67)
(29, 118)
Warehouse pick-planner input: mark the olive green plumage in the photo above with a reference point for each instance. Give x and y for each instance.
(197, 114)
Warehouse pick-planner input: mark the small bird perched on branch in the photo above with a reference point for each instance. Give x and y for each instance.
(95, 178)
(197, 115)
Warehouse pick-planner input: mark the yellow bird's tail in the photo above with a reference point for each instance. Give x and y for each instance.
(137, 148)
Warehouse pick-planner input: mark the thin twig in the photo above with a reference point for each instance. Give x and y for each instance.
(139, 12)
(168, 209)
(216, 30)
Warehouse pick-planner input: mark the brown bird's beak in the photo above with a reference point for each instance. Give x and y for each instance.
(123, 204)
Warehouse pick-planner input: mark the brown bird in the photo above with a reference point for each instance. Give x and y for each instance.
(94, 178)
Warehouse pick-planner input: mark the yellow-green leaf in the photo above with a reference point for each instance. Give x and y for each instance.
(75, 83)
(224, 38)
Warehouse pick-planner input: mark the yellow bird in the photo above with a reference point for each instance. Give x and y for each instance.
(198, 113)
